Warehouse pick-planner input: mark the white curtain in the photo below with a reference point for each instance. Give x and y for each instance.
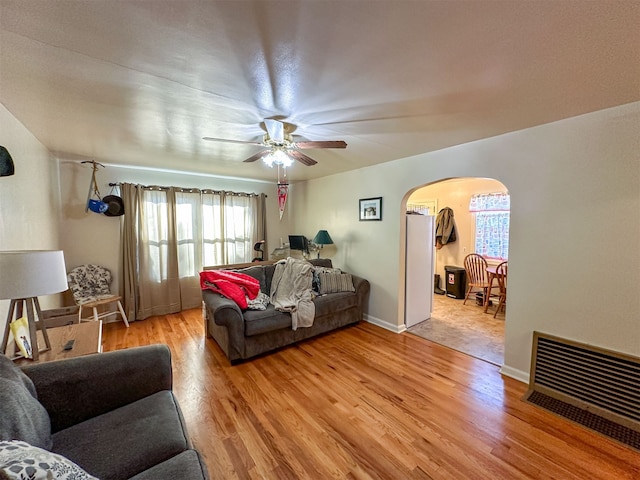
(170, 234)
(229, 229)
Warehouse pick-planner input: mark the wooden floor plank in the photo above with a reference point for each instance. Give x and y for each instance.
(365, 403)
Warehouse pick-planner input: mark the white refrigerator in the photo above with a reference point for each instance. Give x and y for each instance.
(419, 270)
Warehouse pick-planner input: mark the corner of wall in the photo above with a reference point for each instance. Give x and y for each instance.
(515, 374)
(384, 324)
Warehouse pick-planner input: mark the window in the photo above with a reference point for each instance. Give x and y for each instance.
(170, 233)
(210, 228)
(492, 215)
(155, 233)
(228, 228)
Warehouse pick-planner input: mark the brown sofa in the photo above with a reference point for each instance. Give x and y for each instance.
(245, 334)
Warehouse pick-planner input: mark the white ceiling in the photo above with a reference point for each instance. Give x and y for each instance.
(141, 82)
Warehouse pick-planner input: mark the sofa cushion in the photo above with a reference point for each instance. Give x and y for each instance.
(321, 262)
(256, 272)
(335, 302)
(19, 461)
(187, 465)
(128, 440)
(269, 320)
(23, 417)
(268, 276)
(257, 322)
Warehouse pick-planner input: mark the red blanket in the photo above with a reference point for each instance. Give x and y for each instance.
(233, 285)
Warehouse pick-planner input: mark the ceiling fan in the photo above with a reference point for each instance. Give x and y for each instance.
(280, 147)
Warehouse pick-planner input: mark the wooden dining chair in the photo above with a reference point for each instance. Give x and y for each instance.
(501, 277)
(477, 277)
(90, 286)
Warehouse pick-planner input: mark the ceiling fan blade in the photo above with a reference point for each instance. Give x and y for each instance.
(321, 144)
(302, 158)
(211, 139)
(275, 129)
(257, 156)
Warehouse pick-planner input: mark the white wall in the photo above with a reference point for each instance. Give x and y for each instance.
(95, 238)
(29, 200)
(574, 261)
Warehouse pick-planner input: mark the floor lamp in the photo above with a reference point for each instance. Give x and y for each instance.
(25, 275)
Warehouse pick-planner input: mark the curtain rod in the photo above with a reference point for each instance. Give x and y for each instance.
(190, 190)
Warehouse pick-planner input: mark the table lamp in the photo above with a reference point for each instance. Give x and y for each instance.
(322, 238)
(25, 275)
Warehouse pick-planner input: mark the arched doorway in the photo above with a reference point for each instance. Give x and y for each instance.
(466, 328)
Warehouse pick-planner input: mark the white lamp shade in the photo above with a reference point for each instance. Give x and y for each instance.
(31, 273)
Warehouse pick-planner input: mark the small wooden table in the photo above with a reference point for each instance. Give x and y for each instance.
(87, 336)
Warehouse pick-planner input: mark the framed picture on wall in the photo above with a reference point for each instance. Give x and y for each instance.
(370, 209)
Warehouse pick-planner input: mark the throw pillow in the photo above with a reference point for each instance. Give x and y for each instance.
(315, 285)
(258, 303)
(19, 461)
(335, 282)
(23, 416)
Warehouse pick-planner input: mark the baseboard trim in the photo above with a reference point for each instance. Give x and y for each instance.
(505, 370)
(515, 374)
(386, 325)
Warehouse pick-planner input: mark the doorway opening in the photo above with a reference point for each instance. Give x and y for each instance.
(466, 328)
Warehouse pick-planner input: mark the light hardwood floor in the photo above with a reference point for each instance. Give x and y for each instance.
(365, 403)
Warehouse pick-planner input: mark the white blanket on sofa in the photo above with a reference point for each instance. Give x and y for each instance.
(291, 291)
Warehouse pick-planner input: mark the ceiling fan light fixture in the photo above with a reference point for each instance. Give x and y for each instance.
(280, 147)
(277, 157)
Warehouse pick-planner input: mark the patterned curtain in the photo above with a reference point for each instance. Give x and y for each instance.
(492, 214)
(490, 202)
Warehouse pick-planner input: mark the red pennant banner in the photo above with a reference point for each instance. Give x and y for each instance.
(283, 190)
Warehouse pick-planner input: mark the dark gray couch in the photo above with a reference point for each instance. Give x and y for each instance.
(113, 414)
(245, 334)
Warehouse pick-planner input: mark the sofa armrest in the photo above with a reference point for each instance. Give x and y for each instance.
(362, 287)
(225, 312)
(76, 389)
